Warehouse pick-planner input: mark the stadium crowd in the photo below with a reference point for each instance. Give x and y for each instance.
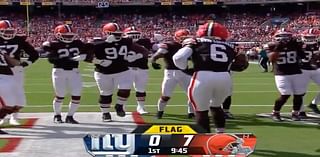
(243, 27)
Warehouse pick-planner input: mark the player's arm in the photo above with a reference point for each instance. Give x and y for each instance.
(33, 54)
(140, 49)
(240, 63)
(47, 49)
(162, 50)
(180, 59)
(83, 53)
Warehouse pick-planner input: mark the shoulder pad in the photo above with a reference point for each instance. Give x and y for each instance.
(22, 37)
(189, 41)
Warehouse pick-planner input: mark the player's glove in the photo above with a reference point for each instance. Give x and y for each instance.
(79, 58)
(102, 62)
(156, 66)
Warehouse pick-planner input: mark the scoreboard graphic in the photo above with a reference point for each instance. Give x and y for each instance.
(170, 140)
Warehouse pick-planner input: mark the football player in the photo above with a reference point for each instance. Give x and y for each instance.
(309, 70)
(172, 74)
(65, 52)
(14, 45)
(211, 56)
(139, 67)
(286, 53)
(111, 56)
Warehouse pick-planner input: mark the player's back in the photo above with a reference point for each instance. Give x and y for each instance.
(290, 54)
(212, 55)
(309, 50)
(115, 51)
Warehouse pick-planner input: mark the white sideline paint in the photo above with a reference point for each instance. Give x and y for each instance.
(176, 92)
(47, 139)
(133, 105)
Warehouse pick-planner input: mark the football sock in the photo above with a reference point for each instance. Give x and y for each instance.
(227, 103)
(190, 107)
(73, 107)
(105, 108)
(57, 105)
(297, 102)
(122, 101)
(280, 102)
(316, 99)
(161, 104)
(141, 101)
(202, 119)
(218, 117)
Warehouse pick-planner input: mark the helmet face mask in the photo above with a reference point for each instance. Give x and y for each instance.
(66, 37)
(8, 33)
(309, 39)
(134, 35)
(283, 37)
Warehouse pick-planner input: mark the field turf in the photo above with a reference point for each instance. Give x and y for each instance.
(254, 92)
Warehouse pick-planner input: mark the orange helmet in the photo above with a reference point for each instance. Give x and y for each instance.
(133, 33)
(283, 34)
(181, 34)
(112, 31)
(213, 29)
(64, 33)
(224, 144)
(7, 30)
(310, 36)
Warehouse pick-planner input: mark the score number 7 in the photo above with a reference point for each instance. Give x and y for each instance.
(188, 139)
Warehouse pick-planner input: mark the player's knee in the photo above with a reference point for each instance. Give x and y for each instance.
(59, 99)
(218, 116)
(165, 98)
(105, 99)
(77, 98)
(124, 93)
(141, 94)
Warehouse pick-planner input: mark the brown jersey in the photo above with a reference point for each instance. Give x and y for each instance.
(15, 48)
(290, 55)
(142, 63)
(172, 47)
(212, 55)
(117, 52)
(60, 53)
(309, 50)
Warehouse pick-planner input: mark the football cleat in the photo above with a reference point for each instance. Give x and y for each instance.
(303, 115)
(141, 110)
(228, 115)
(106, 117)
(314, 108)
(295, 117)
(159, 114)
(14, 121)
(276, 117)
(69, 119)
(191, 115)
(120, 111)
(57, 119)
(2, 132)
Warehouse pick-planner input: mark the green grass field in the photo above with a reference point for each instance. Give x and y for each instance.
(254, 92)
